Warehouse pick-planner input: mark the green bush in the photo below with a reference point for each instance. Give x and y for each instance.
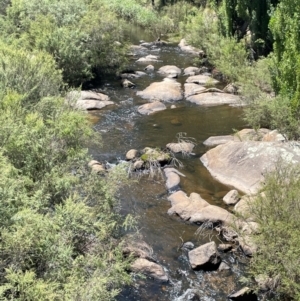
(277, 212)
(60, 226)
(80, 35)
(274, 113)
(31, 74)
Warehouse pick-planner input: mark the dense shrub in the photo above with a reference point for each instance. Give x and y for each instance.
(80, 35)
(277, 212)
(60, 226)
(31, 74)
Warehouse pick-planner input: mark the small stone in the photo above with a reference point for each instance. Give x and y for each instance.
(188, 245)
(149, 68)
(173, 107)
(224, 247)
(242, 294)
(127, 84)
(131, 154)
(232, 197)
(138, 164)
(223, 266)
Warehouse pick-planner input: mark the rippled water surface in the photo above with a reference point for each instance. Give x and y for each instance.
(123, 128)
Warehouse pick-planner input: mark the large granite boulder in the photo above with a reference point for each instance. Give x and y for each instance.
(205, 257)
(150, 108)
(150, 269)
(88, 100)
(167, 90)
(242, 165)
(185, 206)
(215, 98)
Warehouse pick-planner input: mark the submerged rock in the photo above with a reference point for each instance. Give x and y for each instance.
(168, 90)
(148, 58)
(150, 269)
(205, 257)
(150, 108)
(181, 147)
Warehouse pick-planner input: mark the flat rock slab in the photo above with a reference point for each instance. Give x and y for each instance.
(150, 108)
(242, 165)
(201, 80)
(185, 206)
(215, 98)
(148, 268)
(169, 70)
(168, 90)
(192, 89)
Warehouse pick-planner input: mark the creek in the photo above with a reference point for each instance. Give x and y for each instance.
(123, 128)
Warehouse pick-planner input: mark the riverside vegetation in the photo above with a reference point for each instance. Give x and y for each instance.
(59, 223)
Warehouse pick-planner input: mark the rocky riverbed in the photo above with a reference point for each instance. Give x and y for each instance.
(140, 120)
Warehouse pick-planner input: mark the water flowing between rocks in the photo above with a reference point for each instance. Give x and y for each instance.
(123, 128)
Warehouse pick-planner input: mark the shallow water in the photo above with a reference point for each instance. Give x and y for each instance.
(123, 128)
